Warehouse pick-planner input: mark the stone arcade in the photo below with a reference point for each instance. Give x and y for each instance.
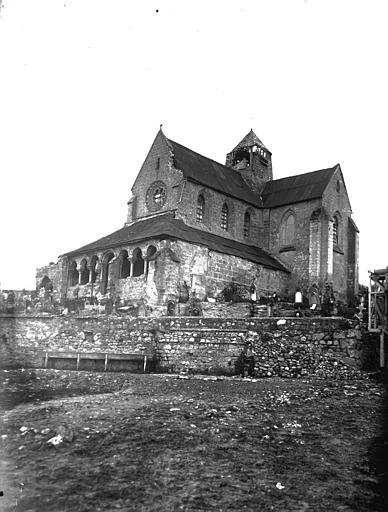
(196, 225)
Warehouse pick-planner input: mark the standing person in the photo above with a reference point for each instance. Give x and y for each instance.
(253, 292)
(250, 359)
(252, 305)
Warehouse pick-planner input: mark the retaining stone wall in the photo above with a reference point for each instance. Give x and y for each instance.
(324, 347)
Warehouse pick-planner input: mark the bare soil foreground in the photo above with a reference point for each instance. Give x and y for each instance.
(79, 441)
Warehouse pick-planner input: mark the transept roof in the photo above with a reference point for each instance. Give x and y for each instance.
(290, 190)
(295, 189)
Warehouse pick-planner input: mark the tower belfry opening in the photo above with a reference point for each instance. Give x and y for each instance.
(253, 160)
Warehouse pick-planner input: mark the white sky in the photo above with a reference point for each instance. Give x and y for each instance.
(85, 84)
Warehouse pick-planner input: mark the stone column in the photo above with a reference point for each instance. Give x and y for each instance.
(79, 273)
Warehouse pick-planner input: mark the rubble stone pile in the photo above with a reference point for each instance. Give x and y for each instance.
(317, 354)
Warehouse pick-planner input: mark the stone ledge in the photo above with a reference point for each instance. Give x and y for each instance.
(206, 329)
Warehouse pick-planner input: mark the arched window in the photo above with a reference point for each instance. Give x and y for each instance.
(150, 252)
(46, 284)
(241, 159)
(247, 225)
(73, 274)
(93, 268)
(105, 272)
(287, 230)
(137, 262)
(200, 208)
(225, 217)
(84, 271)
(125, 265)
(335, 231)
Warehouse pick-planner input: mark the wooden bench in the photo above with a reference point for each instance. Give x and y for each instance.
(146, 358)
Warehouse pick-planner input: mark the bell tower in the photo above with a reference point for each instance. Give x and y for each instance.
(252, 160)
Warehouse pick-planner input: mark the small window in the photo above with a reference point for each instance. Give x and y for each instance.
(159, 196)
(200, 208)
(225, 217)
(157, 163)
(335, 231)
(247, 225)
(338, 186)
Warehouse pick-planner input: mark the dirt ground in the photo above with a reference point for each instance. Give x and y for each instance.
(79, 441)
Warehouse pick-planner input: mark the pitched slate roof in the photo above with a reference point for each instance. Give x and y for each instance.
(250, 139)
(212, 174)
(295, 189)
(167, 227)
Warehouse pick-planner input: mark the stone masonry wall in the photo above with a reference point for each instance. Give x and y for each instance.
(209, 271)
(336, 202)
(30, 337)
(187, 209)
(156, 167)
(292, 347)
(56, 273)
(297, 260)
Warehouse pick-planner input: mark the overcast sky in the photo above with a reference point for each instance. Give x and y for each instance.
(85, 85)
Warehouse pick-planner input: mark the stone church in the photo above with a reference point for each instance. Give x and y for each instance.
(195, 225)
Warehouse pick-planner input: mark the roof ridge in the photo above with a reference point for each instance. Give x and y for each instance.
(304, 173)
(203, 156)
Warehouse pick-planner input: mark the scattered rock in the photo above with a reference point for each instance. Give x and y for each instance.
(55, 441)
